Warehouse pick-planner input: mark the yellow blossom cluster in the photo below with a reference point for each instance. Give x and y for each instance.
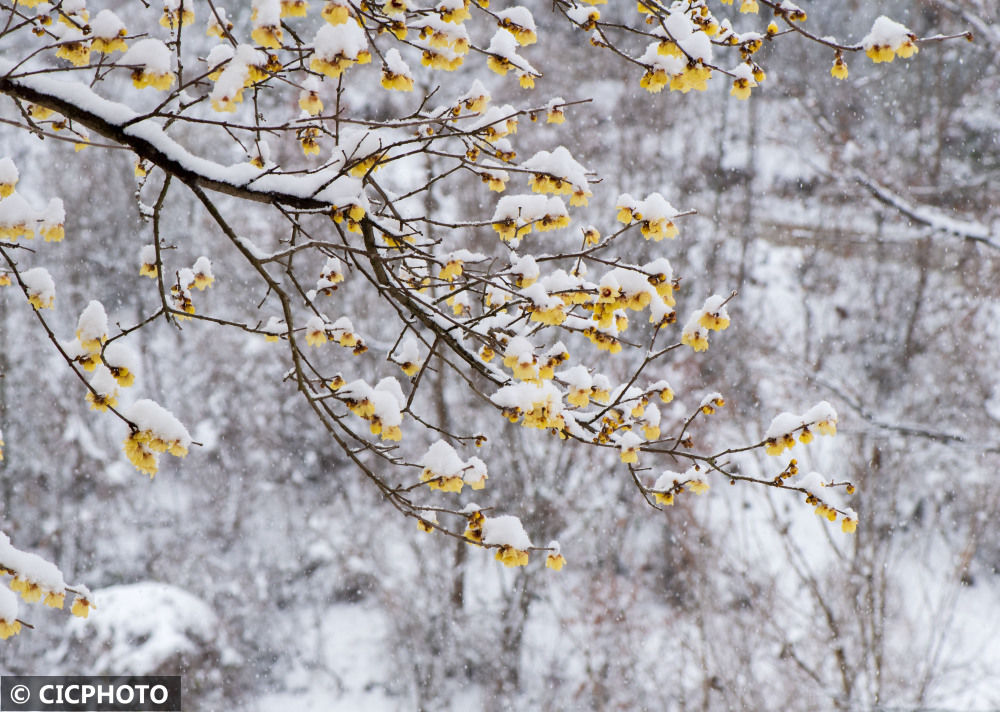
(32, 592)
(142, 446)
(181, 15)
(351, 213)
(544, 183)
(397, 82)
(157, 80)
(9, 628)
(308, 136)
(76, 52)
(849, 520)
(474, 526)
(781, 434)
(509, 556)
(694, 76)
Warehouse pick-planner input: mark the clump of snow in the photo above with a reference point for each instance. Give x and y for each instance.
(441, 460)
(506, 530)
(144, 626)
(93, 323)
(154, 418)
(8, 171)
(150, 54)
(8, 605)
(40, 285)
(31, 567)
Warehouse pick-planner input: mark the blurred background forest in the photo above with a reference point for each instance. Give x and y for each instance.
(267, 572)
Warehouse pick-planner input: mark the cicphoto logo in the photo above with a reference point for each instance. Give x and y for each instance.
(93, 693)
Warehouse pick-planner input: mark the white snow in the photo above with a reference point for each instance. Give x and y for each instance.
(151, 416)
(150, 54)
(141, 626)
(506, 530)
(31, 567)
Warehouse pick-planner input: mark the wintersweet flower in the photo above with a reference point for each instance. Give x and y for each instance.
(177, 13)
(109, 33)
(336, 13)
(9, 628)
(8, 176)
(509, 556)
(839, 68)
(82, 607)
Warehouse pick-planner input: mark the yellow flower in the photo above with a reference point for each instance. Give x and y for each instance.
(267, 36)
(715, 322)
(122, 376)
(664, 498)
(157, 80)
(55, 600)
(392, 432)
(451, 270)
(396, 82)
(555, 562)
(697, 486)
(510, 556)
(81, 607)
(741, 89)
(139, 453)
(827, 427)
(174, 18)
(38, 302)
(307, 139)
(107, 45)
(294, 8)
(101, 402)
(446, 484)
(332, 68)
(839, 68)
(848, 526)
(31, 592)
(881, 53)
(658, 229)
(436, 60)
(90, 361)
(316, 337)
(774, 446)
(498, 64)
(77, 53)
(696, 339)
(335, 13)
(749, 6)
(9, 628)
